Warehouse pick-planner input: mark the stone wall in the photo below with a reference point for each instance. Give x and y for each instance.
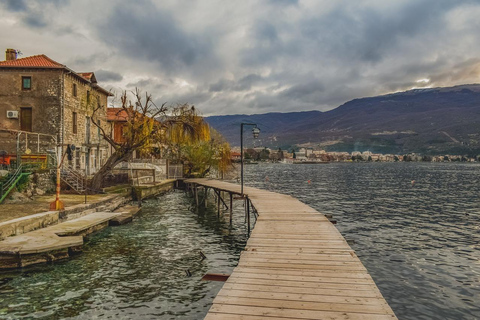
(44, 98)
(143, 192)
(92, 149)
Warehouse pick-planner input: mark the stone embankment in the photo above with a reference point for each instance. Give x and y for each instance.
(53, 235)
(33, 222)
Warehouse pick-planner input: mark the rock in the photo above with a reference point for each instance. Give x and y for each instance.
(16, 197)
(39, 192)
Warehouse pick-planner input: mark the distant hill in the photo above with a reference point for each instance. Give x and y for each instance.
(429, 121)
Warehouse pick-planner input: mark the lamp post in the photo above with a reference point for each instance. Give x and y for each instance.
(255, 132)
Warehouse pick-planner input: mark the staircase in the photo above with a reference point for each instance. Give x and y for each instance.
(73, 178)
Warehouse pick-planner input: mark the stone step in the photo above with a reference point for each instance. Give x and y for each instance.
(126, 215)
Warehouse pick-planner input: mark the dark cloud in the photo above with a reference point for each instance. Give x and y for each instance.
(221, 85)
(304, 91)
(140, 83)
(244, 84)
(35, 13)
(16, 5)
(283, 2)
(35, 20)
(107, 76)
(140, 30)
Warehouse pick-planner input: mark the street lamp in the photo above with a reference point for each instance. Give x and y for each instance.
(255, 132)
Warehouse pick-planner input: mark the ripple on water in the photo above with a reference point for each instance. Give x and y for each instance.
(135, 271)
(416, 241)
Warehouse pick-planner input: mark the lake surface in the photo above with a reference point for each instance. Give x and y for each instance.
(420, 242)
(134, 271)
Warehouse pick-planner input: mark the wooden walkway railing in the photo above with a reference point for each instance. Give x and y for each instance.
(296, 265)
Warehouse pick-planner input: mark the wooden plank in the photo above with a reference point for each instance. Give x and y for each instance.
(336, 278)
(304, 305)
(295, 313)
(304, 284)
(304, 273)
(357, 274)
(375, 293)
(300, 266)
(225, 316)
(301, 297)
(298, 250)
(298, 256)
(331, 262)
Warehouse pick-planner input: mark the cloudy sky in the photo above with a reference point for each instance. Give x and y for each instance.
(230, 57)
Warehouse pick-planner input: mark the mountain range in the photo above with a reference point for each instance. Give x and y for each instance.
(426, 121)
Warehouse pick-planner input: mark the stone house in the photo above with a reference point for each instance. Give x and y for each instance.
(40, 95)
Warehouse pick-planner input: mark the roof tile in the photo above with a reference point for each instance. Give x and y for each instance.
(38, 61)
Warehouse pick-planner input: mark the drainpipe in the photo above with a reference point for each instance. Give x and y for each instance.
(62, 114)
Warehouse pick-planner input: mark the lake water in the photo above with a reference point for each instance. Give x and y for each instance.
(420, 242)
(134, 271)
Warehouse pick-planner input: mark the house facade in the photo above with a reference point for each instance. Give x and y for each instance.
(40, 95)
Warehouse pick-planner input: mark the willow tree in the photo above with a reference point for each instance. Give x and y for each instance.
(200, 157)
(139, 124)
(191, 141)
(182, 126)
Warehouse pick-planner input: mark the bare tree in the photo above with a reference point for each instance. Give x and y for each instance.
(139, 127)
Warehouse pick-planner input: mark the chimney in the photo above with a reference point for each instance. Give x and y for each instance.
(11, 54)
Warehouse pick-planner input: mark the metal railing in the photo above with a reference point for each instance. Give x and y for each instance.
(12, 180)
(73, 178)
(175, 171)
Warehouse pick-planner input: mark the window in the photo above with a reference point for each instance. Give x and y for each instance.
(74, 122)
(88, 96)
(26, 83)
(74, 89)
(98, 129)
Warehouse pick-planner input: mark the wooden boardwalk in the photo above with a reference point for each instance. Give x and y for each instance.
(296, 265)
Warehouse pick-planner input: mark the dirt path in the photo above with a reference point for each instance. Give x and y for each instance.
(9, 211)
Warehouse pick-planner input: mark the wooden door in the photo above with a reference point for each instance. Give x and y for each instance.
(26, 119)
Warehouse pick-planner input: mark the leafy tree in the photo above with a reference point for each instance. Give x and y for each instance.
(199, 157)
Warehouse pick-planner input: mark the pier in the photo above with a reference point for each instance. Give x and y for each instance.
(296, 264)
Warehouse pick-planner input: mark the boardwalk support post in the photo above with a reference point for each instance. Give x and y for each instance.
(205, 198)
(248, 217)
(231, 208)
(218, 204)
(196, 195)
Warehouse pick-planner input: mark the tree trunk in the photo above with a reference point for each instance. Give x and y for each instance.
(101, 174)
